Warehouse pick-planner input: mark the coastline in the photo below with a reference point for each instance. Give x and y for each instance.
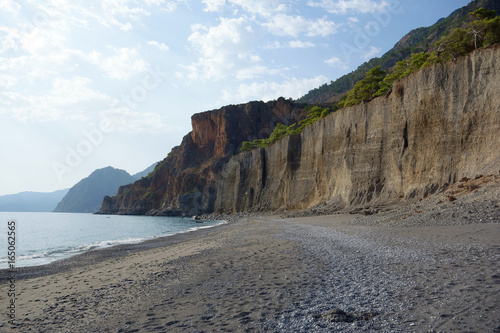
(275, 274)
(87, 239)
(87, 257)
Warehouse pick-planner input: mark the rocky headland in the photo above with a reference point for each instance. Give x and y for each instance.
(185, 182)
(437, 126)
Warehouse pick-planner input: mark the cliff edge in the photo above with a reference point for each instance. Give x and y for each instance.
(185, 182)
(438, 125)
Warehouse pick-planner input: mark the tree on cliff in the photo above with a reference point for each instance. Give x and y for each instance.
(486, 30)
(482, 32)
(401, 70)
(365, 89)
(454, 45)
(417, 40)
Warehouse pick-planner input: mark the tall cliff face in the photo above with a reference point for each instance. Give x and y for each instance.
(186, 181)
(438, 125)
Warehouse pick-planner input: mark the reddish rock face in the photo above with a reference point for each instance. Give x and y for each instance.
(185, 182)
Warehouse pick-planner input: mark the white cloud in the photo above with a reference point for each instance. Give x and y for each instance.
(253, 72)
(118, 12)
(285, 25)
(39, 60)
(208, 40)
(159, 45)
(8, 39)
(294, 88)
(129, 121)
(22, 35)
(275, 45)
(214, 5)
(344, 6)
(41, 40)
(109, 13)
(372, 51)
(67, 99)
(73, 91)
(265, 8)
(337, 62)
(74, 100)
(297, 44)
(7, 81)
(10, 6)
(168, 6)
(125, 63)
(293, 44)
(222, 48)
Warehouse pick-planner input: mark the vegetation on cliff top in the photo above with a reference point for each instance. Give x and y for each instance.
(416, 41)
(482, 32)
(314, 113)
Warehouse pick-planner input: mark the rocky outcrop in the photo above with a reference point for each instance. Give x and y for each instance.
(185, 182)
(437, 126)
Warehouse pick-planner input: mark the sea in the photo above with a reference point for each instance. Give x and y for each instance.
(41, 238)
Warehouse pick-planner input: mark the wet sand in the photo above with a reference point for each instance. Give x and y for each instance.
(344, 272)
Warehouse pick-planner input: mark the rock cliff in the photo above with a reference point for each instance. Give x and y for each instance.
(437, 126)
(185, 182)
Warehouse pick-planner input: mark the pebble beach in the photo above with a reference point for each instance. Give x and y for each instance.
(428, 266)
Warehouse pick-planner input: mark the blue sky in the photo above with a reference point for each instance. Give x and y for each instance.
(90, 84)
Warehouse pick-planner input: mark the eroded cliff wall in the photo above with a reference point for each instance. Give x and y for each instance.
(185, 182)
(437, 126)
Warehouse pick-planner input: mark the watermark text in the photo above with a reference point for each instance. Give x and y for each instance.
(11, 262)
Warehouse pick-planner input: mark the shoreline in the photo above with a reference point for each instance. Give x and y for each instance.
(274, 274)
(99, 254)
(392, 271)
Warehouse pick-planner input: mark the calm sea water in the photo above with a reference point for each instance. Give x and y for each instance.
(45, 237)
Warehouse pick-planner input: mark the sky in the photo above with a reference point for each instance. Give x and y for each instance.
(90, 84)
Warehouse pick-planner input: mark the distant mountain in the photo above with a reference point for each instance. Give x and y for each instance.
(31, 201)
(146, 172)
(417, 40)
(86, 196)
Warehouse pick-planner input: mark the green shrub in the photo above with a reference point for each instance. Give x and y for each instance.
(366, 89)
(314, 113)
(401, 70)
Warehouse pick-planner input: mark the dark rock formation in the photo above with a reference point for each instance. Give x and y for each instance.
(185, 183)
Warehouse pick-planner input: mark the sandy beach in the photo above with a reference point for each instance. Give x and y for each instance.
(407, 269)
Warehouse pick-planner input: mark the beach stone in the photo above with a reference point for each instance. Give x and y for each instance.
(338, 316)
(334, 315)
